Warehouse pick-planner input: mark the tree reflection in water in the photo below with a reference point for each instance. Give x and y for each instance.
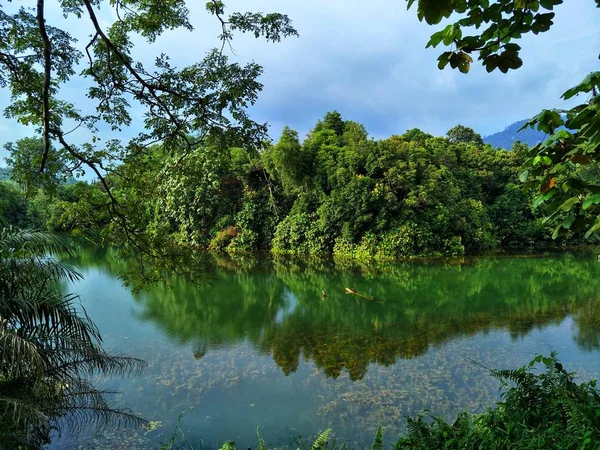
(277, 304)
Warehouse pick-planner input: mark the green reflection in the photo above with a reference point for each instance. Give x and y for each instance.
(277, 305)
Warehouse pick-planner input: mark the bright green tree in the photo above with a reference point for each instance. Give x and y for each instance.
(288, 160)
(490, 31)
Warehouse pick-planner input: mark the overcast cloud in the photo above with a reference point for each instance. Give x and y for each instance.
(368, 61)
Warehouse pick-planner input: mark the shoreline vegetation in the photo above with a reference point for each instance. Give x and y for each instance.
(337, 193)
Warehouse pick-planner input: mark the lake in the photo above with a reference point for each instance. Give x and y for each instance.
(255, 345)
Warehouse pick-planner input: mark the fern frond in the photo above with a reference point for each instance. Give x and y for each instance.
(321, 441)
(261, 441)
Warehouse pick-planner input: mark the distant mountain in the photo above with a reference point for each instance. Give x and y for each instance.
(505, 139)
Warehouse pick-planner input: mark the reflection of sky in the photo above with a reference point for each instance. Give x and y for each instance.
(290, 302)
(235, 387)
(368, 60)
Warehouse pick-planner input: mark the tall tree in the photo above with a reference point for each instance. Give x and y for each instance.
(289, 161)
(490, 30)
(460, 133)
(181, 105)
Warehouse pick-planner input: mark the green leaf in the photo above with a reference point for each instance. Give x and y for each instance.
(595, 228)
(586, 86)
(568, 205)
(591, 200)
(228, 445)
(444, 59)
(550, 4)
(558, 231)
(436, 38)
(523, 176)
(543, 198)
(434, 10)
(568, 222)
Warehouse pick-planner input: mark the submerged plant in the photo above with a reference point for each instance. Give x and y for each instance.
(49, 347)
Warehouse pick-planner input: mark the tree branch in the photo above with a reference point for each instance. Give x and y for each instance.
(47, 78)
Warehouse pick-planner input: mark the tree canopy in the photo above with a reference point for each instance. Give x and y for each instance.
(205, 104)
(182, 105)
(490, 29)
(336, 192)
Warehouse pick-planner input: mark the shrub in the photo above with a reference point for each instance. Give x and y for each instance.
(223, 238)
(537, 410)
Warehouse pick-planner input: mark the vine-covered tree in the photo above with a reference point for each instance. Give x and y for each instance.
(460, 133)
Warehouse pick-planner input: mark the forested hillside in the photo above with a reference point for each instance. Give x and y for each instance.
(4, 174)
(505, 139)
(337, 192)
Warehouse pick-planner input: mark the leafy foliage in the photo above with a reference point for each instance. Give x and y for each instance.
(563, 166)
(378, 439)
(182, 105)
(48, 347)
(486, 28)
(555, 165)
(538, 410)
(25, 159)
(338, 192)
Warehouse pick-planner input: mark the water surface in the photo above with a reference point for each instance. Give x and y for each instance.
(257, 345)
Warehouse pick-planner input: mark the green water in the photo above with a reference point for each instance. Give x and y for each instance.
(258, 345)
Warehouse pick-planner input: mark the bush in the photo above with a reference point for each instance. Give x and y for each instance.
(223, 238)
(537, 410)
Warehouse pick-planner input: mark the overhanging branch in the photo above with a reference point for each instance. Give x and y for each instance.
(47, 79)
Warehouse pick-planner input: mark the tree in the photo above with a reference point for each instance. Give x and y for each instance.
(25, 160)
(13, 207)
(47, 346)
(490, 31)
(460, 133)
(414, 134)
(182, 105)
(288, 160)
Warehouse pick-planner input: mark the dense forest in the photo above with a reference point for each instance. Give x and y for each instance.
(336, 192)
(198, 174)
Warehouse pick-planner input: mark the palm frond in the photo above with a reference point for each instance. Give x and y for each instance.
(23, 242)
(49, 345)
(20, 357)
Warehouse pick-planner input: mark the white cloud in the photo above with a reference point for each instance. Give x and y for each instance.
(368, 60)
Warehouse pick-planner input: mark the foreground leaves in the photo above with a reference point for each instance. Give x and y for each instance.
(538, 410)
(48, 347)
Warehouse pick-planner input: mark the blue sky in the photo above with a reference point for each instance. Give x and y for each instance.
(368, 61)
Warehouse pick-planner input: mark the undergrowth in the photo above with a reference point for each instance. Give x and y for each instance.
(542, 406)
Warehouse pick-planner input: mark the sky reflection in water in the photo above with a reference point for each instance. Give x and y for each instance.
(259, 346)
